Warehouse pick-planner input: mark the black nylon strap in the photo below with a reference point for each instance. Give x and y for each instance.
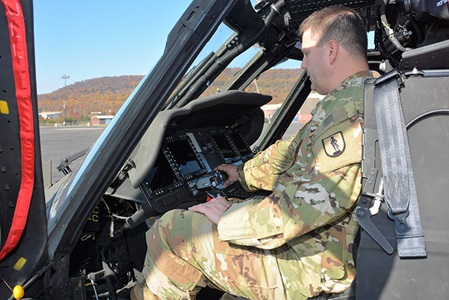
(399, 184)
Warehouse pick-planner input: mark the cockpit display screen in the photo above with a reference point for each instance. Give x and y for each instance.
(223, 145)
(161, 175)
(240, 144)
(185, 157)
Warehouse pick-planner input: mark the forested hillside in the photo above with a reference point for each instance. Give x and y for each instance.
(107, 94)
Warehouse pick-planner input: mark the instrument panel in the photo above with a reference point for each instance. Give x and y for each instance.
(173, 164)
(183, 171)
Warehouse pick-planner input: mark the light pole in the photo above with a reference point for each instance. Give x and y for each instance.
(64, 114)
(65, 77)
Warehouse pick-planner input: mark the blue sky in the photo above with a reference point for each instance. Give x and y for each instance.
(87, 39)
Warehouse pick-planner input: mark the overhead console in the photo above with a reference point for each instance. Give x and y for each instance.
(172, 166)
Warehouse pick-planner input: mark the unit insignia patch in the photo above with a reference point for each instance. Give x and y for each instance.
(334, 145)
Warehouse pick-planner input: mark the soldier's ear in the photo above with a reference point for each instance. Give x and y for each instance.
(332, 47)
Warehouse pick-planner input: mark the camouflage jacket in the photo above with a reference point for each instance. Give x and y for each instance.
(315, 177)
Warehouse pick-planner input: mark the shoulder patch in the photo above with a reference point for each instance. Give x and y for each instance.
(339, 146)
(334, 145)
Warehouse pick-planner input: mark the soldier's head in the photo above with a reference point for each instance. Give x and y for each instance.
(338, 23)
(334, 44)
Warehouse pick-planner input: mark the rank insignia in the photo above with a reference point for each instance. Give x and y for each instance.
(334, 145)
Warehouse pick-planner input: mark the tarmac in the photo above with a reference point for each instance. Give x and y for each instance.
(58, 143)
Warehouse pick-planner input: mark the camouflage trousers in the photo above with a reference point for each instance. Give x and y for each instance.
(184, 252)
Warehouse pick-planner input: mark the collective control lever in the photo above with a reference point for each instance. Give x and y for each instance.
(218, 179)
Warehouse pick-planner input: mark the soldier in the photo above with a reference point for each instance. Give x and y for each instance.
(297, 242)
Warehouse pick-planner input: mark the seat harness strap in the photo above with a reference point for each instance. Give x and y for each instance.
(399, 184)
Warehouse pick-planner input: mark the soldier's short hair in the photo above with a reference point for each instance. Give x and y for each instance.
(341, 24)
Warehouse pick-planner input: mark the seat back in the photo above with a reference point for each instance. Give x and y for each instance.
(425, 103)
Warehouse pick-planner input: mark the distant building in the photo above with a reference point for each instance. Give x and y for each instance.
(269, 110)
(101, 120)
(51, 115)
(303, 114)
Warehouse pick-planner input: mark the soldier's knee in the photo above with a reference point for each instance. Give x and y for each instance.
(177, 222)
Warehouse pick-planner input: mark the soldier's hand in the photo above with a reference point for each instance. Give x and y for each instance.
(213, 210)
(231, 171)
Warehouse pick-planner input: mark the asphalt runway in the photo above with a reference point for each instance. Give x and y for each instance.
(58, 143)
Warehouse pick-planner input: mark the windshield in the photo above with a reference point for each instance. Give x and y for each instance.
(276, 81)
(175, 76)
(108, 155)
(212, 51)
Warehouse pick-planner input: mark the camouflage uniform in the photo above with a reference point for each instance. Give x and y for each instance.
(294, 244)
